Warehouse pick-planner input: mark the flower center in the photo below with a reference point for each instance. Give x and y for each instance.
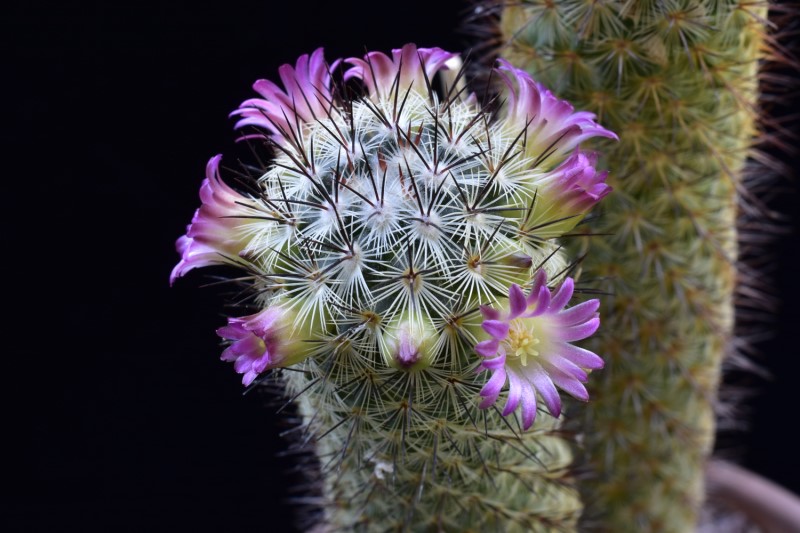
(522, 341)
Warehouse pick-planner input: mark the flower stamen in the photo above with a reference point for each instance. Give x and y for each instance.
(522, 342)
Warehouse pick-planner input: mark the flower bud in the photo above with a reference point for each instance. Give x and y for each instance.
(409, 344)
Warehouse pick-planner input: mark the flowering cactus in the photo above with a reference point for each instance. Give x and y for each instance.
(380, 230)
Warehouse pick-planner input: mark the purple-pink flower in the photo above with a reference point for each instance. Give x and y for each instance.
(553, 128)
(305, 96)
(215, 235)
(530, 348)
(261, 341)
(408, 67)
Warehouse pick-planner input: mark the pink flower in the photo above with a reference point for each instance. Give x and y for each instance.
(214, 235)
(552, 123)
(530, 348)
(260, 342)
(407, 67)
(306, 96)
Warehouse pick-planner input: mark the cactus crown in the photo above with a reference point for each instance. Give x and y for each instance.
(398, 210)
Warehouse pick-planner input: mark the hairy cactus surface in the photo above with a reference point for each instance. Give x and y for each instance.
(677, 81)
(397, 247)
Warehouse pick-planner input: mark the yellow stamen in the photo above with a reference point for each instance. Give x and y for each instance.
(522, 342)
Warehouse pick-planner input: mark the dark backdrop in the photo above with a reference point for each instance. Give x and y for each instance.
(118, 414)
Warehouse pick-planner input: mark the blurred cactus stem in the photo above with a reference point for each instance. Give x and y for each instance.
(677, 80)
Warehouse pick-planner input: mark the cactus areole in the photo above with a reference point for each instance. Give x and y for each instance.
(398, 247)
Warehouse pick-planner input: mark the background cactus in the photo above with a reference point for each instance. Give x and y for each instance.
(678, 81)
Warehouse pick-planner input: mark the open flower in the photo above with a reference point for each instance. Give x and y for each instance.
(530, 348)
(216, 233)
(262, 341)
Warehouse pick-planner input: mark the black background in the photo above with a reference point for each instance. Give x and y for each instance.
(118, 414)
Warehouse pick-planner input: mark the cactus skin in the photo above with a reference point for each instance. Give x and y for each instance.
(677, 81)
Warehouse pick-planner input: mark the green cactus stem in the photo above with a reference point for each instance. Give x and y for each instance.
(677, 81)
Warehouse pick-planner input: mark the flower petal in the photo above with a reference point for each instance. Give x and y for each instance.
(495, 362)
(515, 385)
(492, 389)
(571, 386)
(408, 67)
(528, 407)
(489, 313)
(251, 345)
(233, 332)
(562, 295)
(261, 364)
(243, 363)
(517, 301)
(544, 386)
(579, 313)
(539, 281)
(542, 303)
(496, 328)
(263, 321)
(228, 355)
(579, 332)
(215, 234)
(580, 356)
(262, 341)
(560, 364)
(304, 97)
(249, 377)
(487, 348)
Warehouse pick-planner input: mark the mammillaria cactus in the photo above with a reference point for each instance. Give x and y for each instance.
(381, 228)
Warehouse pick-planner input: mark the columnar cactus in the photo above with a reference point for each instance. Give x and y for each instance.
(677, 81)
(399, 250)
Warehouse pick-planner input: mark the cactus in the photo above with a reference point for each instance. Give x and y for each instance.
(397, 249)
(677, 80)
